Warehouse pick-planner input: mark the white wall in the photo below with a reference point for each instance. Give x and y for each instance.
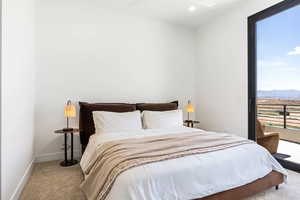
(87, 53)
(221, 90)
(17, 95)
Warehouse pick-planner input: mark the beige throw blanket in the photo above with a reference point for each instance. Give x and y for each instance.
(115, 157)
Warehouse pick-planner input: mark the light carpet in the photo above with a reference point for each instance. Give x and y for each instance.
(49, 181)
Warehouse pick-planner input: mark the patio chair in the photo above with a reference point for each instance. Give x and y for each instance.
(268, 140)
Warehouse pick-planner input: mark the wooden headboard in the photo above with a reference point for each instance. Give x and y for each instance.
(86, 122)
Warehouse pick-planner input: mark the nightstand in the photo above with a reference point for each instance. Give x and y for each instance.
(67, 162)
(190, 123)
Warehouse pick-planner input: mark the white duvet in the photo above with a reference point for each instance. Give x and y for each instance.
(189, 177)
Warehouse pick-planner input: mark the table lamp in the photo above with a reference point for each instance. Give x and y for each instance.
(189, 109)
(70, 112)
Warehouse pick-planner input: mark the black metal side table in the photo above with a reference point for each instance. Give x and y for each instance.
(190, 123)
(66, 162)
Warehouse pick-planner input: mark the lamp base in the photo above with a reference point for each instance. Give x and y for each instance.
(68, 163)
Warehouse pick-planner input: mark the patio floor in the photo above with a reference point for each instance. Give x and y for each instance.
(290, 148)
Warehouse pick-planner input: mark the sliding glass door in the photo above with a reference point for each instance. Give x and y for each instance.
(274, 81)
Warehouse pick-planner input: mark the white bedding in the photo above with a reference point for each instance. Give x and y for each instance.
(188, 177)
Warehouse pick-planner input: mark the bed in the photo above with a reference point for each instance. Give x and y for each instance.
(225, 174)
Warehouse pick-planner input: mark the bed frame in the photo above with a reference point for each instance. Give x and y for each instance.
(86, 126)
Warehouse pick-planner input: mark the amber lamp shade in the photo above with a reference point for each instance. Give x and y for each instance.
(69, 112)
(189, 109)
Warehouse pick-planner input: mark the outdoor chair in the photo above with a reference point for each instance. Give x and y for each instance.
(268, 140)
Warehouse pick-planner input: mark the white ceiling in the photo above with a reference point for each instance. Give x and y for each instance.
(175, 11)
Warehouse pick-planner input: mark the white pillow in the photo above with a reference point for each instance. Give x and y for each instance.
(106, 122)
(164, 119)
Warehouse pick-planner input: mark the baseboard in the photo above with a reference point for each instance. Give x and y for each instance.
(56, 156)
(22, 183)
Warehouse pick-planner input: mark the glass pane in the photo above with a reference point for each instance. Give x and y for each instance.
(278, 82)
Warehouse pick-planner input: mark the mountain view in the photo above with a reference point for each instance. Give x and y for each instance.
(279, 94)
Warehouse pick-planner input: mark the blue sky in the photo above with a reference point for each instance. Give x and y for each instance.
(278, 51)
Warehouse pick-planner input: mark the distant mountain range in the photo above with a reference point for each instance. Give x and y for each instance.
(279, 94)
